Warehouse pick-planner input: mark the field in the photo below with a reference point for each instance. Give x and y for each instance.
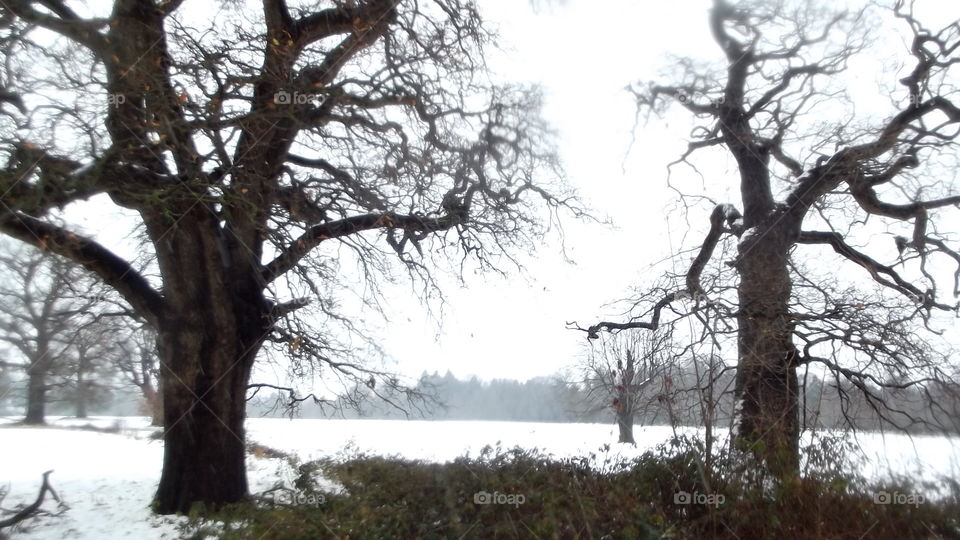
(107, 479)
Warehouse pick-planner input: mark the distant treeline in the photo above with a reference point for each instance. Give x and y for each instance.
(678, 399)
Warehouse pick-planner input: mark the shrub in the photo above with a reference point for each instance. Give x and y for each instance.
(664, 493)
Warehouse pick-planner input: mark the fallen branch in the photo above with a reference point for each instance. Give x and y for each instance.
(33, 508)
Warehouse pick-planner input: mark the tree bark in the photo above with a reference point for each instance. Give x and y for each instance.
(625, 398)
(153, 403)
(36, 396)
(37, 384)
(82, 390)
(81, 406)
(204, 382)
(766, 382)
(213, 326)
(625, 422)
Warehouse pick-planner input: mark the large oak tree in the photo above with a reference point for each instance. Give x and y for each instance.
(257, 145)
(821, 186)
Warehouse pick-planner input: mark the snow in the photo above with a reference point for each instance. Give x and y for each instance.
(747, 237)
(83, 169)
(108, 479)
(443, 440)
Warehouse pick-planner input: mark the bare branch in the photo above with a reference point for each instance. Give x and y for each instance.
(114, 271)
(32, 508)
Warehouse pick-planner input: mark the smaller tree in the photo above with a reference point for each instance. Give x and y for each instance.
(622, 373)
(39, 306)
(91, 364)
(138, 362)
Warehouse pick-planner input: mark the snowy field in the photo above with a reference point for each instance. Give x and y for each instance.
(107, 479)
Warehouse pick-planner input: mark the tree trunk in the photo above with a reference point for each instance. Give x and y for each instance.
(37, 383)
(214, 321)
(204, 381)
(766, 382)
(81, 404)
(625, 407)
(625, 422)
(36, 395)
(626, 392)
(153, 403)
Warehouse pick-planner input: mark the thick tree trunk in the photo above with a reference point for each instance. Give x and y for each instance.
(766, 383)
(37, 383)
(625, 398)
(204, 380)
(214, 322)
(36, 395)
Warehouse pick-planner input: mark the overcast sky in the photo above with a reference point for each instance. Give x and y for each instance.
(584, 57)
(584, 53)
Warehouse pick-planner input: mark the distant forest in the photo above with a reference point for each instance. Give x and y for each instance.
(556, 399)
(675, 401)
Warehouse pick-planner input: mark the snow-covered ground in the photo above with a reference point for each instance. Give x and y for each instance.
(926, 456)
(107, 479)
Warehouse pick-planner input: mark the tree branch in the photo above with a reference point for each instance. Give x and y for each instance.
(113, 270)
(845, 164)
(289, 258)
(722, 214)
(32, 508)
(67, 24)
(875, 268)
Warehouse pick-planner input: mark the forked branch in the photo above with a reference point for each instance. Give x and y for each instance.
(724, 218)
(32, 508)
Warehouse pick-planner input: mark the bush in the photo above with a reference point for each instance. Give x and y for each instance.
(666, 493)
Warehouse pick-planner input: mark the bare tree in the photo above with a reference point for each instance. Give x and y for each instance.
(815, 189)
(137, 361)
(100, 353)
(38, 319)
(268, 160)
(626, 373)
(88, 371)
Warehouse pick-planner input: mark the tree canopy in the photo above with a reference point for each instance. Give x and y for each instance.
(821, 187)
(259, 146)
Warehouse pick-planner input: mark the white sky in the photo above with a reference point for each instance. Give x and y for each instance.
(584, 57)
(584, 53)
